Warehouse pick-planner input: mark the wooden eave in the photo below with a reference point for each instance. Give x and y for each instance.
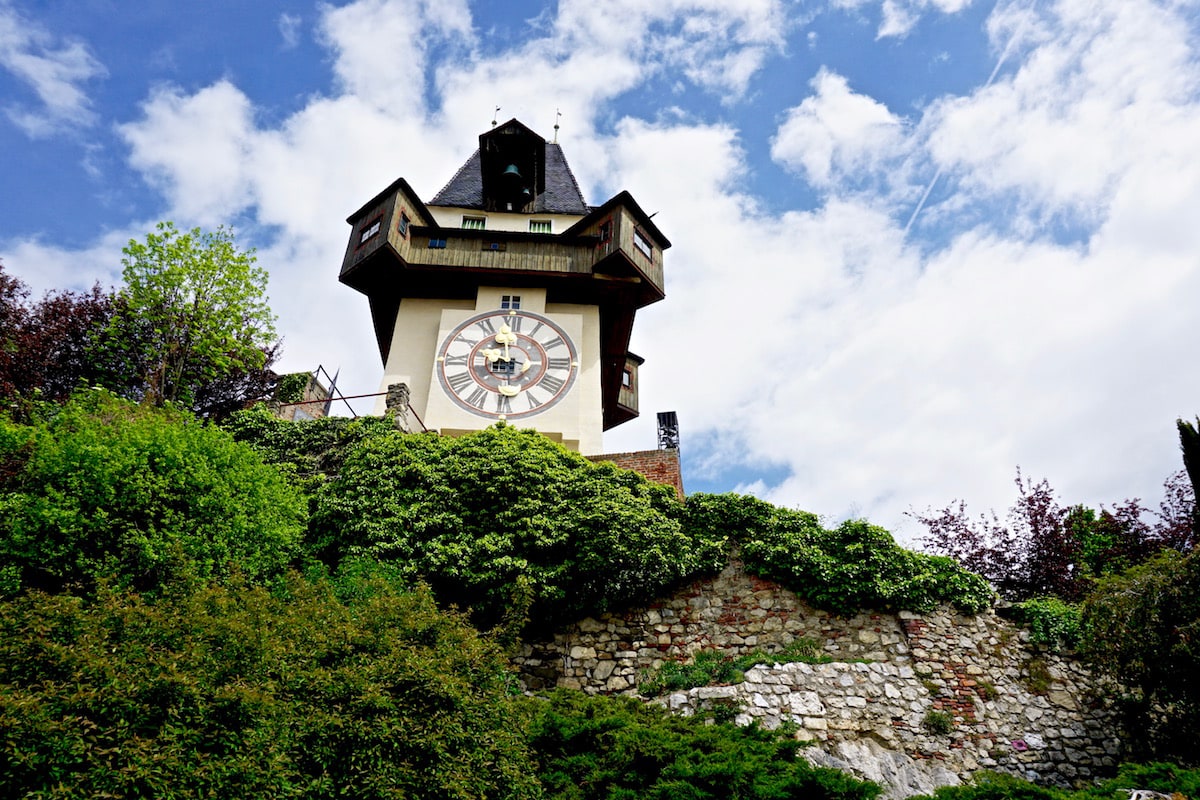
(625, 199)
(399, 184)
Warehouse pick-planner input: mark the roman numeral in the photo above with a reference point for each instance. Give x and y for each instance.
(514, 323)
(455, 360)
(478, 397)
(459, 381)
(531, 400)
(557, 341)
(552, 383)
(503, 404)
(559, 363)
(486, 325)
(469, 342)
(536, 328)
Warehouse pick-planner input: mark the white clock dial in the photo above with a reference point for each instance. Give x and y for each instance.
(507, 364)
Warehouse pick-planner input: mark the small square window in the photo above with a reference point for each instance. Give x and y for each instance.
(437, 244)
(539, 226)
(642, 243)
(402, 226)
(510, 301)
(474, 223)
(370, 231)
(606, 229)
(494, 246)
(627, 379)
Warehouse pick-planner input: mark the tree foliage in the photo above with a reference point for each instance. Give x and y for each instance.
(1189, 443)
(616, 748)
(851, 567)
(502, 513)
(1046, 549)
(105, 489)
(47, 348)
(193, 317)
(243, 692)
(1143, 626)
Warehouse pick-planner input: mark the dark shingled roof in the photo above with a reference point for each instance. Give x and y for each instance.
(562, 195)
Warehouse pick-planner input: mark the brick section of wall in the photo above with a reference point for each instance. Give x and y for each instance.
(660, 466)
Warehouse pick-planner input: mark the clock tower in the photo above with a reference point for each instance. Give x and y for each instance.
(506, 296)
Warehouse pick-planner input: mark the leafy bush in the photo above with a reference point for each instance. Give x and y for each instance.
(852, 567)
(1051, 621)
(1144, 627)
(996, 786)
(1164, 778)
(145, 497)
(241, 692)
(615, 748)
(493, 514)
(711, 667)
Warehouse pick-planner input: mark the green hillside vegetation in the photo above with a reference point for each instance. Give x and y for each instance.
(268, 609)
(510, 525)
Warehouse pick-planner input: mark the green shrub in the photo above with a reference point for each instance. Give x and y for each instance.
(996, 786)
(145, 497)
(712, 667)
(1143, 627)
(247, 692)
(849, 568)
(1052, 622)
(1165, 778)
(616, 748)
(938, 722)
(483, 515)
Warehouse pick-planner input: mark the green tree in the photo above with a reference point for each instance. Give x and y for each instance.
(616, 748)
(1143, 626)
(245, 692)
(192, 314)
(107, 489)
(1189, 442)
(492, 516)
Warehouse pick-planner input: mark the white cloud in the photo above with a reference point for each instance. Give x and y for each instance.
(195, 149)
(54, 70)
(899, 17)
(1104, 89)
(289, 30)
(835, 132)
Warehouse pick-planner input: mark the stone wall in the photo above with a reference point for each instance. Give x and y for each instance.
(1007, 704)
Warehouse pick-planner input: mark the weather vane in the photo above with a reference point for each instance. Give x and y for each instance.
(495, 114)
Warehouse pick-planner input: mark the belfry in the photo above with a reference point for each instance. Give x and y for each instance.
(506, 296)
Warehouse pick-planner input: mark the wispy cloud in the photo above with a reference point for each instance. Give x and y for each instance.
(55, 70)
(289, 30)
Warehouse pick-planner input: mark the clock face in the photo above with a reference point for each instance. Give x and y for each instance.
(507, 364)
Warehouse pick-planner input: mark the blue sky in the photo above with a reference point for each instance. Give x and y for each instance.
(917, 242)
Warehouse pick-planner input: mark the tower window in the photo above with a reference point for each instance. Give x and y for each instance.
(369, 231)
(402, 226)
(642, 243)
(606, 229)
(627, 379)
(510, 302)
(539, 226)
(474, 223)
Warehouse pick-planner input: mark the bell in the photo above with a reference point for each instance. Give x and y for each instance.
(512, 172)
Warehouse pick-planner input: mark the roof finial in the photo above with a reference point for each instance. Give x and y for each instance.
(494, 115)
(557, 117)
